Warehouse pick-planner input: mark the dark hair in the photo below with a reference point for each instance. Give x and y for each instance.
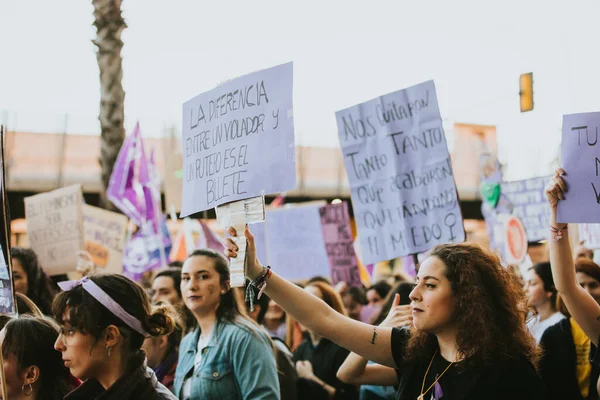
(588, 267)
(263, 303)
(544, 271)
(173, 273)
(330, 296)
(39, 288)
(175, 264)
(318, 278)
(228, 306)
(31, 340)
(403, 289)
(490, 309)
(177, 334)
(357, 294)
(89, 316)
(382, 288)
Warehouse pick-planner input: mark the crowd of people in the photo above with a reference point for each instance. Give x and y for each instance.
(464, 328)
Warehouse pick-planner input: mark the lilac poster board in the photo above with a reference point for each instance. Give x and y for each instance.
(337, 236)
(530, 205)
(581, 162)
(294, 241)
(402, 185)
(238, 140)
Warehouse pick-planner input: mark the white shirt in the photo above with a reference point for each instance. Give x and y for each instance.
(537, 327)
(186, 390)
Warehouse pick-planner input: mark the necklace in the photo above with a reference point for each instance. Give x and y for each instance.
(423, 393)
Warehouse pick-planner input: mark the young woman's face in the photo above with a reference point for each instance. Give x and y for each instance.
(374, 298)
(432, 300)
(536, 295)
(590, 285)
(200, 285)
(274, 312)
(81, 352)
(19, 277)
(14, 378)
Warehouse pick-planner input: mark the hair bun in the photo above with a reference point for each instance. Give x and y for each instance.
(162, 320)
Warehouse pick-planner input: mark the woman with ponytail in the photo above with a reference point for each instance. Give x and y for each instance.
(228, 356)
(104, 320)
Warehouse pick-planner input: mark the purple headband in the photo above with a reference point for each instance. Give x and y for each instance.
(96, 292)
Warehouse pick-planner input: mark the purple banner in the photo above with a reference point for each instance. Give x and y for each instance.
(582, 167)
(337, 236)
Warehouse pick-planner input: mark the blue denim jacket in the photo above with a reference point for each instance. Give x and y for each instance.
(237, 363)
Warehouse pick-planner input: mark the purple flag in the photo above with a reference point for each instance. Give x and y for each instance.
(142, 252)
(128, 187)
(209, 239)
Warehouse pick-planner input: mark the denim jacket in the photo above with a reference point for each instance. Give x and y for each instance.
(237, 363)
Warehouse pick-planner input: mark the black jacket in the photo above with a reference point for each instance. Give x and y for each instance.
(558, 363)
(138, 383)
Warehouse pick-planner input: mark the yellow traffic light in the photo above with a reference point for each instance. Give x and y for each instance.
(526, 91)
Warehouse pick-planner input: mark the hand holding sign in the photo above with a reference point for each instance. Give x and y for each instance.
(555, 190)
(253, 265)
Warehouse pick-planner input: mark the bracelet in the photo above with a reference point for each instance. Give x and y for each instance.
(260, 283)
(558, 233)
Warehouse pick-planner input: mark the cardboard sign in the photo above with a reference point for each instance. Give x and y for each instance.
(339, 245)
(104, 238)
(402, 184)
(238, 140)
(55, 228)
(581, 162)
(530, 205)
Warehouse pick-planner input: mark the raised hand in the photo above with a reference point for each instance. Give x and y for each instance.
(555, 189)
(398, 316)
(253, 265)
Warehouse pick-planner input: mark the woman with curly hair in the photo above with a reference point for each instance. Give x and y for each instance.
(30, 279)
(468, 339)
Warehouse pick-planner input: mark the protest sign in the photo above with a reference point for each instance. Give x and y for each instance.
(339, 246)
(55, 228)
(402, 185)
(104, 238)
(7, 292)
(294, 239)
(589, 234)
(530, 205)
(581, 163)
(143, 252)
(238, 140)
(515, 240)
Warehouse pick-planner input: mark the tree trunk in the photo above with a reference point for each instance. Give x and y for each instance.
(109, 25)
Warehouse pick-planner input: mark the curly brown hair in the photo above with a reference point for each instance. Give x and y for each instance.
(490, 309)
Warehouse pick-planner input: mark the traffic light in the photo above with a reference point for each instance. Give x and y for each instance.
(526, 92)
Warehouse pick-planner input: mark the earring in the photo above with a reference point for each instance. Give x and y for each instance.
(109, 350)
(28, 393)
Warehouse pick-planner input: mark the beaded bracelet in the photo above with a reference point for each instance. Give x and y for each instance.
(558, 233)
(260, 283)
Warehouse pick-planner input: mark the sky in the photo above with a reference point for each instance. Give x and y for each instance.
(344, 53)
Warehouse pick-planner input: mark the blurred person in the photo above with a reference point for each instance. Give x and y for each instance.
(162, 353)
(377, 293)
(541, 294)
(461, 291)
(318, 359)
(104, 320)
(227, 356)
(166, 287)
(30, 279)
(286, 369)
(319, 278)
(583, 251)
(355, 301)
(274, 321)
(33, 369)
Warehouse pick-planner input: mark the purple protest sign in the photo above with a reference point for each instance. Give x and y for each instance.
(142, 253)
(530, 205)
(337, 236)
(402, 184)
(582, 167)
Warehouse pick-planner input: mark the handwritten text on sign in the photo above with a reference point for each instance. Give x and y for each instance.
(339, 245)
(105, 238)
(238, 140)
(54, 228)
(530, 205)
(398, 165)
(581, 162)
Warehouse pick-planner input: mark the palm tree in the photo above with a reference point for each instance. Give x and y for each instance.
(109, 25)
